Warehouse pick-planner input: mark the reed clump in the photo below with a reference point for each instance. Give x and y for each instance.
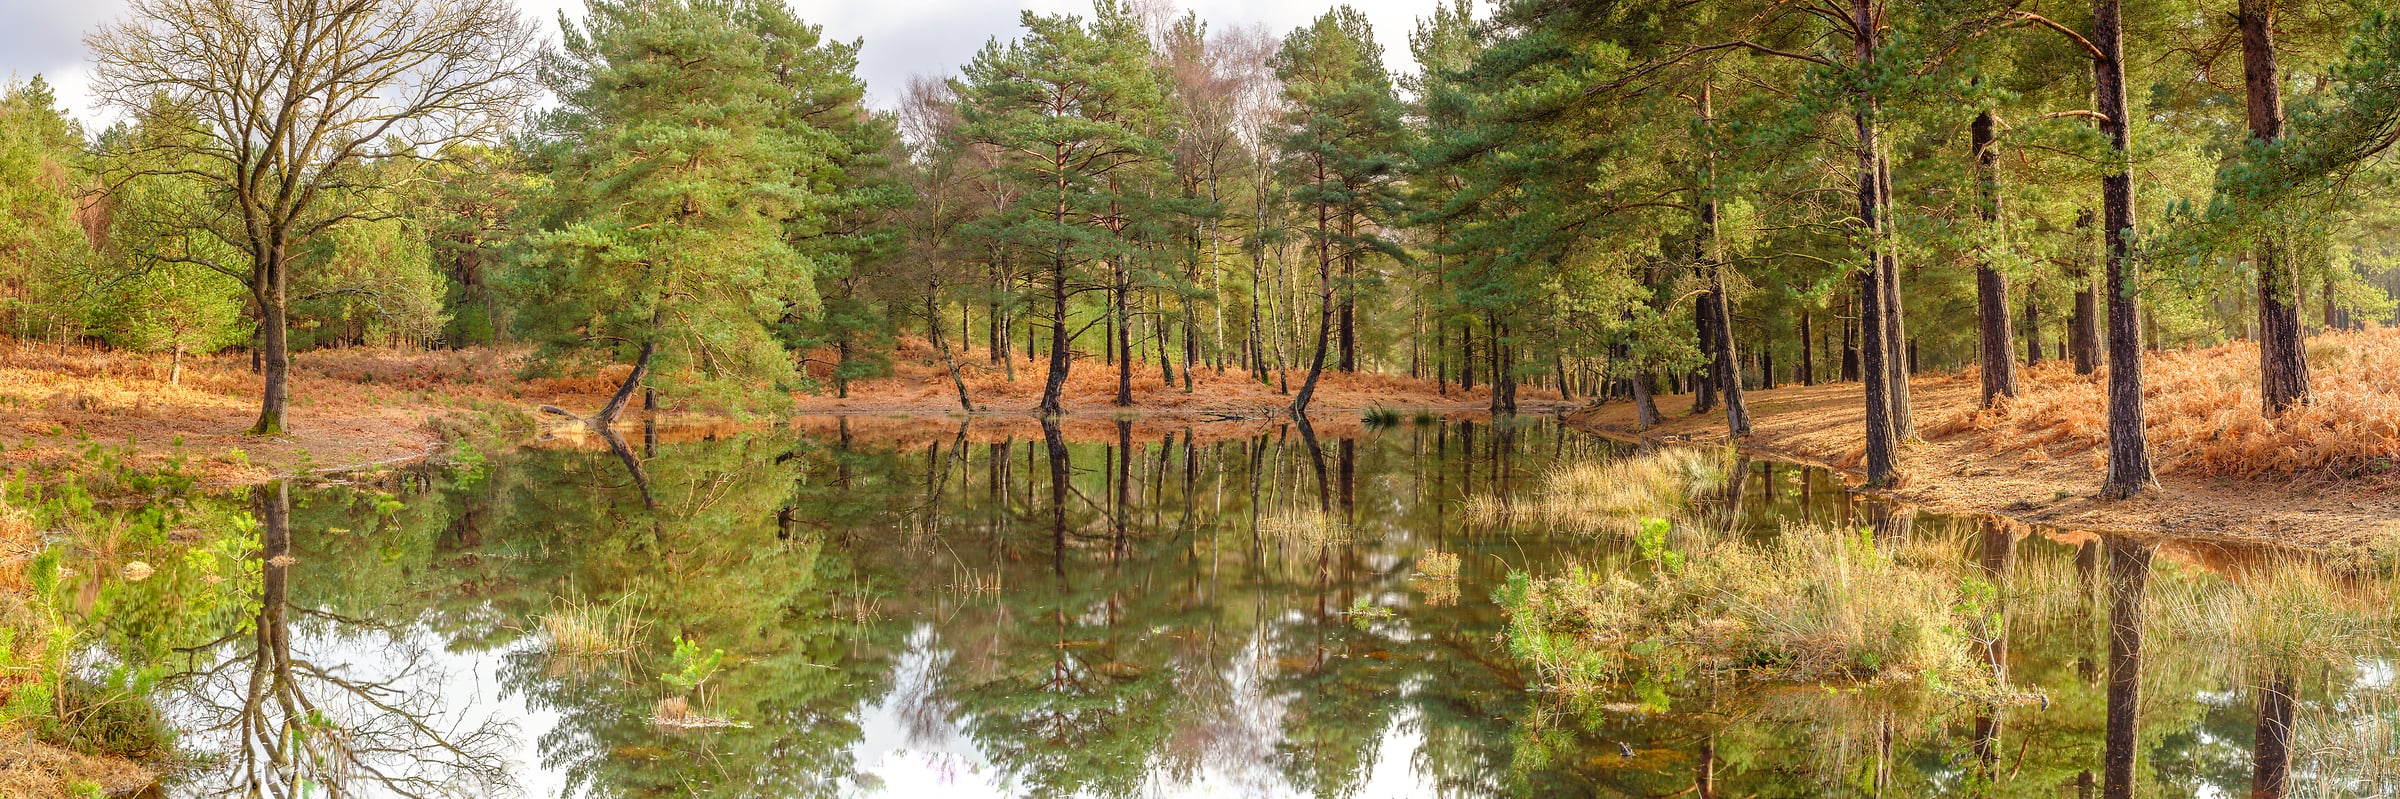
(1307, 526)
(1434, 564)
(581, 629)
(2279, 616)
(1815, 603)
(1611, 494)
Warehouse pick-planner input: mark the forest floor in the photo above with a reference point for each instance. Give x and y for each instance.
(350, 408)
(920, 383)
(62, 407)
(2321, 478)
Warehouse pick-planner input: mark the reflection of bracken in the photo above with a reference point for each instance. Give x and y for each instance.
(289, 727)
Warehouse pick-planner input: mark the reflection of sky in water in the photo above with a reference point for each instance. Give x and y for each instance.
(1274, 610)
(464, 686)
(896, 761)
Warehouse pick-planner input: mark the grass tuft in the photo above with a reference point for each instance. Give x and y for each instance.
(1812, 604)
(579, 629)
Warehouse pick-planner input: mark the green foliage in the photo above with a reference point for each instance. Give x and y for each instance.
(689, 668)
(681, 173)
(43, 249)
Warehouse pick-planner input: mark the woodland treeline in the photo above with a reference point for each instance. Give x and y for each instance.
(1610, 199)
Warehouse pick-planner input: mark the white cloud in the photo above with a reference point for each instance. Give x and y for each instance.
(902, 37)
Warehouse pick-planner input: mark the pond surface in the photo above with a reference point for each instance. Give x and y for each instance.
(929, 610)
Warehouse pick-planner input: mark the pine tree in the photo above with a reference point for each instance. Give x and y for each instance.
(1067, 109)
(1341, 152)
(676, 177)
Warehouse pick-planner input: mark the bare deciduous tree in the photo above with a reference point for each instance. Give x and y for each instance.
(291, 98)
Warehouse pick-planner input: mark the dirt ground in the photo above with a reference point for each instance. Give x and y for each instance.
(920, 383)
(367, 406)
(1956, 468)
(349, 407)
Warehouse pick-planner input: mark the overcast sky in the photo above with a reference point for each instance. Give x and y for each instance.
(903, 37)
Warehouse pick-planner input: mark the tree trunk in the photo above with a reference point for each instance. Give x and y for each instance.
(1325, 311)
(1645, 402)
(1728, 364)
(2033, 327)
(1122, 324)
(607, 417)
(2083, 323)
(1704, 391)
(1808, 352)
(1998, 343)
(1900, 358)
(1466, 357)
(2128, 586)
(1056, 382)
(1874, 352)
(275, 347)
(2128, 444)
(942, 343)
(175, 372)
(1850, 341)
(2282, 350)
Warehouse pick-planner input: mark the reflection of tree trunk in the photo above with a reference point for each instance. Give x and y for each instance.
(1999, 551)
(1316, 459)
(2271, 754)
(1124, 494)
(1737, 483)
(633, 465)
(2128, 586)
(1705, 783)
(1893, 523)
(1346, 455)
(1057, 445)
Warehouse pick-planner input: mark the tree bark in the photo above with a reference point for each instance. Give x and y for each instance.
(1728, 365)
(1998, 350)
(1704, 382)
(2033, 328)
(607, 417)
(2083, 323)
(2282, 349)
(2128, 443)
(1055, 383)
(942, 343)
(1850, 341)
(275, 346)
(1899, 357)
(1123, 324)
(1466, 357)
(1325, 311)
(1874, 353)
(1808, 351)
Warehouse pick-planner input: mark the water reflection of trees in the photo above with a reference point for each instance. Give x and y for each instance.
(1104, 618)
(287, 719)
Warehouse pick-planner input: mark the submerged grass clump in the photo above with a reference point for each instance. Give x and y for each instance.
(1813, 604)
(2277, 617)
(1611, 494)
(578, 629)
(1434, 564)
(1307, 526)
